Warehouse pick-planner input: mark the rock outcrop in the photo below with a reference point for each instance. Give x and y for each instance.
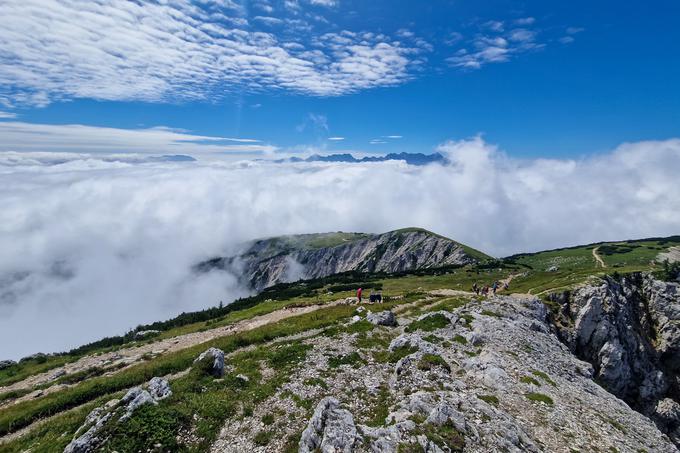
(496, 377)
(330, 430)
(270, 261)
(629, 330)
(213, 361)
(383, 318)
(88, 437)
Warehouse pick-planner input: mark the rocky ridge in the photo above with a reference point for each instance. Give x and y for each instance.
(629, 329)
(270, 261)
(458, 375)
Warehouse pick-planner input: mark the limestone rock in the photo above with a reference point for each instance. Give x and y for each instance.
(383, 318)
(214, 358)
(159, 388)
(331, 429)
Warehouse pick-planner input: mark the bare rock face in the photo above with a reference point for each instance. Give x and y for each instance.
(629, 330)
(214, 360)
(87, 438)
(331, 429)
(383, 318)
(271, 261)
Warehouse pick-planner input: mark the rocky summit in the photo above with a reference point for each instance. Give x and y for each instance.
(267, 262)
(570, 350)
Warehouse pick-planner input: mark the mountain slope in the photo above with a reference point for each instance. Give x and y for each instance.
(270, 261)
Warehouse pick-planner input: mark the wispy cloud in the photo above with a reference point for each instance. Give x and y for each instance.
(570, 32)
(19, 136)
(336, 139)
(7, 115)
(181, 50)
(495, 42)
(393, 137)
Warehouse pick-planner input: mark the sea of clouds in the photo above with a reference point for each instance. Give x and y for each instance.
(92, 247)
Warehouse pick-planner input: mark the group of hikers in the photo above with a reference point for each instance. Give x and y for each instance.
(372, 297)
(485, 290)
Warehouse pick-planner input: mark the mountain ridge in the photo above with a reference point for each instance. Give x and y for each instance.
(266, 262)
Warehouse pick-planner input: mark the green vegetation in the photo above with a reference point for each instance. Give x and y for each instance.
(22, 414)
(670, 271)
(529, 380)
(429, 323)
(544, 376)
(380, 408)
(353, 359)
(430, 361)
(460, 339)
(539, 397)
(493, 314)
(316, 381)
(490, 399)
(262, 438)
(444, 435)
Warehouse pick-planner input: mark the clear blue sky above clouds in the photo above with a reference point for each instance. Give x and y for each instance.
(540, 78)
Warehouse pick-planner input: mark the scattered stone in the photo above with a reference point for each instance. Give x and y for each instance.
(383, 318)
(145, 333)
(243, 377)
(214, 359)
(159, 388)
(331, 429)
(552, 269)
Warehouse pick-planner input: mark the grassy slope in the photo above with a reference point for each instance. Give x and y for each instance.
(576, 265)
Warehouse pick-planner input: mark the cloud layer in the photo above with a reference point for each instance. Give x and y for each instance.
(93, 247)
(181, 50)
(19, 136)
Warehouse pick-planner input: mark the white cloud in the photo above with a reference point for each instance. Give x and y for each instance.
(377, 141)
(336, 139)
(148, 51)
(92, 249)
(19, 136)
(327, 3)
(574, 30)
(7, 115)
(496, 45)
(393, 137)
(525, 21)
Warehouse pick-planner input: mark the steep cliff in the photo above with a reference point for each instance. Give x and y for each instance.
(270, 261)
(629, 330)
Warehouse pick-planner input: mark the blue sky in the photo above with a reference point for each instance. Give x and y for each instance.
(551, 79)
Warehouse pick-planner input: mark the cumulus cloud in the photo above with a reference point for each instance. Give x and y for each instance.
(91, 250)
(180, 50)
(19, 136)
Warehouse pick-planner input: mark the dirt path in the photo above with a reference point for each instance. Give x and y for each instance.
(121, 359)
(598, 258)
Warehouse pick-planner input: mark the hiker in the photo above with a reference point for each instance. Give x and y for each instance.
(475, 288)
(359, 294)
(506, 286)
(485, 290)
(494, 287)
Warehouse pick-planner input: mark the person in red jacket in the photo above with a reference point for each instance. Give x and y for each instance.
(359, 294)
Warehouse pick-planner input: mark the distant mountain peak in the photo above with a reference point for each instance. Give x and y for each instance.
(409, 158)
